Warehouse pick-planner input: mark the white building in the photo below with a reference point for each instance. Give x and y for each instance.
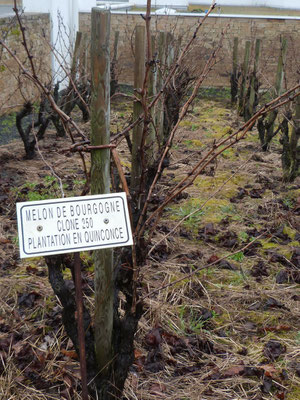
(289, 4)
(86, 5)
(67, 11)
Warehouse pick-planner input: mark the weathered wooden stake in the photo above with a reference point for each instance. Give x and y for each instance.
(243, 87)
(150, 139)
(234, 75)
(114, 79)
(295, 136)
(254, 84)
(170, 51)
(267, 134)
(83, 58)
(159, 115)
(280, 67)
(100, 180)
(290, 151)
(139, 75)
(76, 54)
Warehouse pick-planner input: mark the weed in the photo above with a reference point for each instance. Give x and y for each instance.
(79, 182)
(186, 210)
(229, 154)
(190, 321)
(237, 256)
(15, 240)
(243, 236)
(288, 203)
(49, 179)
(15, 32)
(33, 191)
(214, 93)
(35, 196)
(191, 143)
(227, 209)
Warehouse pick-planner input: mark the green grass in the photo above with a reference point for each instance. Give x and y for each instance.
(237, 256)
(35, 191)
(185, 210)
(7, 123)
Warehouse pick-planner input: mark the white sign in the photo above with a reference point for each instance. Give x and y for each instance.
(73, 224)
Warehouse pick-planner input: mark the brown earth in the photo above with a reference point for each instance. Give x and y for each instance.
(221, 292)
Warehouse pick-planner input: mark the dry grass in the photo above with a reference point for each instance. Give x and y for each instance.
(213, 351)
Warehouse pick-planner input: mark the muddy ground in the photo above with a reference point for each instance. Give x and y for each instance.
(221, 291)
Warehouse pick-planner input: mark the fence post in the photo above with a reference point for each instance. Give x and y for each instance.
(100, 180)
(170, 51)
(254, 85)
(83, 58)
(270, 120)
(294, 167)
(114, 78)
(234, 75)
(139, 75)
(244, 78)
(150, 139)
(159, 115)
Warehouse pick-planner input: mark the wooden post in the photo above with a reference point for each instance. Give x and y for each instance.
(234, 75)
(100, 180)
(280, 67)
(76, 54)
(253, 83)
(294, 169)
(290, 150)
(139, 75)
(270, 120)
(244, 78)
(170, 52)
(114, 79)
(83, 58)
(159, 115)
(150, 139)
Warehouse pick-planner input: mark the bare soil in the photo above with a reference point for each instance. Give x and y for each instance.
(221, 291)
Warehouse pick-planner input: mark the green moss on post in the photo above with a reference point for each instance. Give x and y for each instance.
(100, 181)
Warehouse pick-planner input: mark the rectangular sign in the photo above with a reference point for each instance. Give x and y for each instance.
(73, 224)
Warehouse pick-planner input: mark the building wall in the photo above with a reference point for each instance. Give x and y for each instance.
(291, 4)
(15, 89)
(268, 30)
(86, 5)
